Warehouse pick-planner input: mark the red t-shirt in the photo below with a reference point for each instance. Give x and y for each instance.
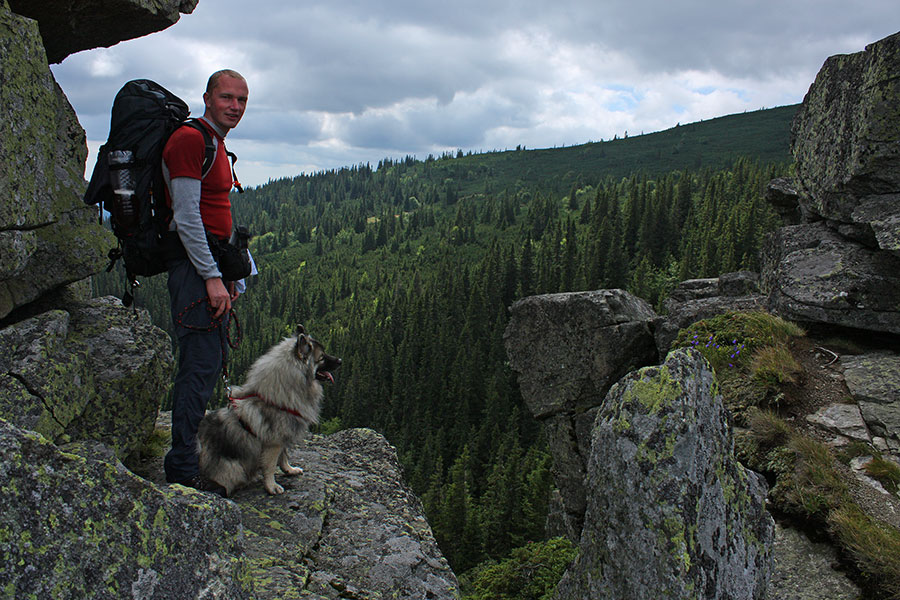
(183, 155)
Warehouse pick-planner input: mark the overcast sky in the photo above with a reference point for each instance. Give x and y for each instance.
(341, 82)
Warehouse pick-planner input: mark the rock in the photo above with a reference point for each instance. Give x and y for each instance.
(693, 289)
(739, 283)
(78, 526)
(843, 419)
(845, 144)
(48, 237)
(69, 26)
(671, 512)
(347, 527)
(96, 372)
(812, 274)
(782, 194)
(568, 349)
(348, 522)
(804, 570)
(858, 466)
(558, 522)
(874, 382)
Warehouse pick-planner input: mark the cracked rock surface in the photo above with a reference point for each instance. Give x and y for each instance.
(93, 372)
(347, 527)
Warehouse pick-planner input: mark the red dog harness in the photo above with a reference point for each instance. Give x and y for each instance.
(233, 404)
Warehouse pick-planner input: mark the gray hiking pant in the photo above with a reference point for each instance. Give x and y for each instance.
(202, 348)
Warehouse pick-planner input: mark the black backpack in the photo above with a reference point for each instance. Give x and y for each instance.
(127, 180)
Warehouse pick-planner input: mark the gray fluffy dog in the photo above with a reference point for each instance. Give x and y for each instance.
(270, 412)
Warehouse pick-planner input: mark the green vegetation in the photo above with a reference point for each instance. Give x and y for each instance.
(750, 352)
(530, 573)
(810, 486)
(714, 144)
(809, 481)
(407, 271)
(885, 471)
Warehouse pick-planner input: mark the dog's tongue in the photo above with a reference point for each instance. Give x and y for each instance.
(325, 375)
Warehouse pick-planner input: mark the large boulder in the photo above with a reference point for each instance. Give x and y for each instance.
(671, 512)
(94, 372)
(845, 144)
(813, 274)
(76, 524)
(68, 26)
(48, 237)
(568, 350)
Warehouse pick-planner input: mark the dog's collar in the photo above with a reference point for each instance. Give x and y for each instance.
(233, 400)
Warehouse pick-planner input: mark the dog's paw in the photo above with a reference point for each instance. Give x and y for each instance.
(275, 489)
(292, 470)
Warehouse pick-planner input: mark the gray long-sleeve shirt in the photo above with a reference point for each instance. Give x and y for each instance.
(186, 219)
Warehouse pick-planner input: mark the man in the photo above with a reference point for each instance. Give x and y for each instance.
(200, 299)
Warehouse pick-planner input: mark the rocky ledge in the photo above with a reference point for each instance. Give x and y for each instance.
(79, 525)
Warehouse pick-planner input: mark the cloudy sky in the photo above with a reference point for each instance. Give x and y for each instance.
(341, 82)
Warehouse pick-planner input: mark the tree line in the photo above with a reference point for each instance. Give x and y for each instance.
(407, 274)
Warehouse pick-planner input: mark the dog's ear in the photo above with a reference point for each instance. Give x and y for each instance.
(300, 330)
(303, 346)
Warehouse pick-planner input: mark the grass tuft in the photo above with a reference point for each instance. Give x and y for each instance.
(774, 366)
(767, 428)
(874, 548)
(730, 340)
(885, 471)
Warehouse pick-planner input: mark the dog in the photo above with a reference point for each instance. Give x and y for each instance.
(271, 411)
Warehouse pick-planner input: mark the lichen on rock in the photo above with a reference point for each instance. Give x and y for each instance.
(96, 371)
(671, 512)
(77, 524)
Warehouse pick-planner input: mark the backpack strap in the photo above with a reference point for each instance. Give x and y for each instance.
(209, 153)
(209, 145)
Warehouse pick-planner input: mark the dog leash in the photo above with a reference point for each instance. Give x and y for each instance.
(216, 322)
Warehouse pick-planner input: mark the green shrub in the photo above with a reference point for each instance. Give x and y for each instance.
(530, 573)
(729, 340)
(330, 426)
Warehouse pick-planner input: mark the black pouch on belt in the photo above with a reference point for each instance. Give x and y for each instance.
(232, 255)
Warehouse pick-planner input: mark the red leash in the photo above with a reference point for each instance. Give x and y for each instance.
(215, 322)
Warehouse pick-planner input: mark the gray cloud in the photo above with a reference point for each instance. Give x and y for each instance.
(353, 81)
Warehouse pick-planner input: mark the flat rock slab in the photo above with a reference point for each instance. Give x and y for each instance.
(347, 527)
(804, 570)
(843, 419)
(874, 381)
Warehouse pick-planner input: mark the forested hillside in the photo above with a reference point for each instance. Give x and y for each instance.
(406, 271)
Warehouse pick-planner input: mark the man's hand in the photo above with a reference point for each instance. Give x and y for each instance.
(232, 291)
(219, 298)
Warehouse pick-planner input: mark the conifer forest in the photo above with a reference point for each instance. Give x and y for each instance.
(406, 270)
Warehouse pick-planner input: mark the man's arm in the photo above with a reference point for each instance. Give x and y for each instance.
(185, 192)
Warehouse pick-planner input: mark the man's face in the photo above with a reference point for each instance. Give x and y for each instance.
(226, 103)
